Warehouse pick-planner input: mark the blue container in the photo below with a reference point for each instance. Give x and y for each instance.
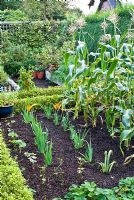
(5, 111)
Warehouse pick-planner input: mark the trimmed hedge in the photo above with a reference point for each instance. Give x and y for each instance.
(40, 96)
(40, 92)
(94, 30)
(12, 185)
(20, 104)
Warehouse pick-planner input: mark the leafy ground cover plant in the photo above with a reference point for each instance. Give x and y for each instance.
(21, 144)
(89, 190)
(31, 157)
(12, 134)
(107, 166)
(17, 142)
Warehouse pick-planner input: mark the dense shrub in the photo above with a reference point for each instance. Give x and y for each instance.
(94, 31)
(13, 15)
(13, 184)
(14, 57)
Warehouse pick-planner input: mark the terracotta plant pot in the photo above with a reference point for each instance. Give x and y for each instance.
(35, 74)
(40, 75)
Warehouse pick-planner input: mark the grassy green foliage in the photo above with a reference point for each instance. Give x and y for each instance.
(94, 32)
(48, 153)
(65, 122)
(107, 166)
(13, 185)
(48, 111)
(79, 139)
(27, 116)
(88, 156)
(41, 137)
(56, 118)
(89, 190)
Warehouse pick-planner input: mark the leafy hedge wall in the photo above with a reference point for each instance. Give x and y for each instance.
(40, 96)
(20, 104)
(41, 92)
(12, 183)
(93, 30)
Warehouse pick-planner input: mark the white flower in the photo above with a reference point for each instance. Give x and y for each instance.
(81, 45)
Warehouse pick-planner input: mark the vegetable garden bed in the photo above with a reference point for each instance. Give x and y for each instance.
(67, 166)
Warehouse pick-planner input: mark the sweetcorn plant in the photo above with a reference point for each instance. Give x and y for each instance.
(103, 81)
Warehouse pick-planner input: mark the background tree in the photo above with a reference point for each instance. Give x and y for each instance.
(10, 4)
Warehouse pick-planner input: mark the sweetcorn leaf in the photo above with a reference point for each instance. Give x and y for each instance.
(112, 68)
(126, 134)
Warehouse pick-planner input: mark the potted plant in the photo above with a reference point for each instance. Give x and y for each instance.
(34, 69)
(6, 104)
(40, 72)
(3, 80)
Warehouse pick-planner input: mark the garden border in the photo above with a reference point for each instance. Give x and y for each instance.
(13, 184)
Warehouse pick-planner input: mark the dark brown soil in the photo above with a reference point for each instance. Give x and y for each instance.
(66, 168)
(43, 83)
